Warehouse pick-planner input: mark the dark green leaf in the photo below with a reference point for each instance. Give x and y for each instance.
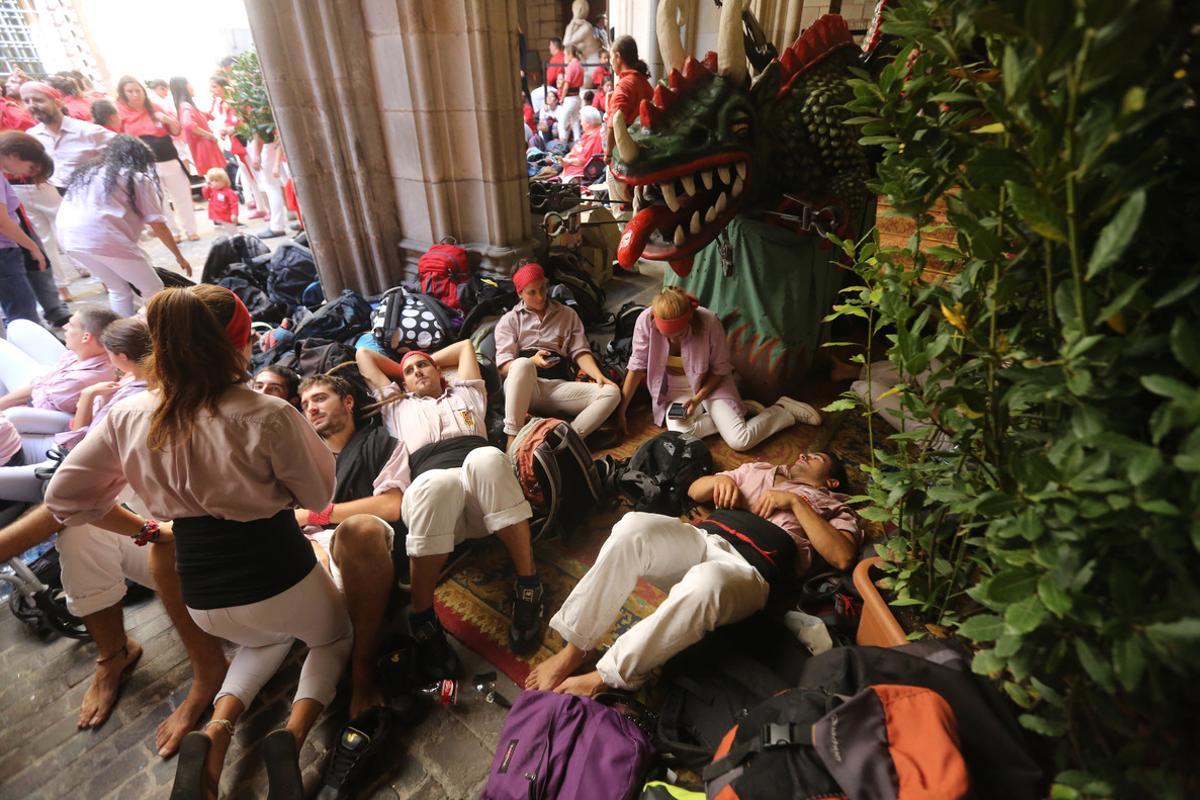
(1039, 212)
(1181, 291)
(1129, 661)
(1185, 344)
(1117, 234)
(1054, 596)
(982, 628)
(1025, 615)
(1166, 386)
(1045, 727)
(1095, 666)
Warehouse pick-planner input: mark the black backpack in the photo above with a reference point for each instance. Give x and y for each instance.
(558, 476)
(422, 321)
(343, 317)
(659, 473)
(173, 279)
(260, 306)
(314, 356)
(620, 347)
(289, 272)
(484, 296)
(229, 250)
(581, 292)
(714, 683)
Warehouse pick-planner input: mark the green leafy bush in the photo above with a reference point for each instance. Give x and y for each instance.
(1045, 485)
(249, 97)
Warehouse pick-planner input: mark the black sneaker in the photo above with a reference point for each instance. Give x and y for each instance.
(525, 632)
(435, 658)
(356, 747)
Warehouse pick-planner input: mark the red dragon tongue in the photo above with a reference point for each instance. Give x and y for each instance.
(637, 233)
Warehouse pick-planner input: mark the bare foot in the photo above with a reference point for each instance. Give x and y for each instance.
(584, 685)
(551, 672)
(364, 694)
(206, 682)
(101, 695)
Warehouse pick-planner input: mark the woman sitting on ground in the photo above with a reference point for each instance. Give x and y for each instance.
(680, 351)
(108, 201)
(538, 346)
(228, 465)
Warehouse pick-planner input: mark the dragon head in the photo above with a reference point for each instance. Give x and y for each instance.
(710, 144)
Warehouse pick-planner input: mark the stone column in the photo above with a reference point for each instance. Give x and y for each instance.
(402, 124)
(316, 62)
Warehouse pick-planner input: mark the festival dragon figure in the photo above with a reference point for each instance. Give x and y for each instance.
(713, 144)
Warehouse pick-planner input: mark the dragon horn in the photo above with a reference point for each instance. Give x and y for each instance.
(626, 146)
(731, 47)
(667, 26)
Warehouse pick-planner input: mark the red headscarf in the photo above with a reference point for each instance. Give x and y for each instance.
(670, 327)
(238, 327)
(411, 354)
(44, 88)
(528, 274)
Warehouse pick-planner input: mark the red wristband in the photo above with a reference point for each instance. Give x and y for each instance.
(320, 517)
(148, 533)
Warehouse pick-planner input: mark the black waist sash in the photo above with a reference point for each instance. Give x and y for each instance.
(446, 454)
(765, 546)
(162, 147)
(223, 563)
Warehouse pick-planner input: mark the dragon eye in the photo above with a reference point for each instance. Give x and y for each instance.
(740, 128)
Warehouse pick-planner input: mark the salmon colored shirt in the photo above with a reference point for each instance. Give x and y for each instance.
(59, 389)
(559, 330)
(758, 477)
(10, 440)
(137, 122)
(251, 459)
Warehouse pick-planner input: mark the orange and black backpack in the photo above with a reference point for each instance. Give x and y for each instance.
(877, 724)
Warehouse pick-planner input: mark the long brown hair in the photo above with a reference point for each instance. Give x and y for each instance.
(128, 337)
(27, 148)
(146, 104)
(193, 363)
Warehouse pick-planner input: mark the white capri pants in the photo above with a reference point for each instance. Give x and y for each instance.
(29, 351)
(567, 115)
(719, 416)
(179, 190)
(324, 540)
(443, 507)
(41, 202)
(272, 187)
(312, 611)
(95, 564)
(120, 275)
(589, 403)
(710, 585)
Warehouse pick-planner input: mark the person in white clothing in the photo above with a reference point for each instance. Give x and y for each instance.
(538, 345)
(108, 202)
(454, 486)
(266, 161)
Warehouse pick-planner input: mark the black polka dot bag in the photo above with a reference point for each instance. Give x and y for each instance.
(407, 320)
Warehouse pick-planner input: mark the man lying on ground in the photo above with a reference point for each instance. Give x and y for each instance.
(771, 523)
(353, 535)
(454, 485)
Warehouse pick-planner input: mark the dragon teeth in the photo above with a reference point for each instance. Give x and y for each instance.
(707, 177)
(741, 169)
(737, 187)
(724, 173)
(711, 214)
(695, 226)
(668, 193)
(721, 204)
(689, 185)
(679, 236)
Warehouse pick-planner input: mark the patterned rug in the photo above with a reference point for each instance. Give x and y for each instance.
(474, 602)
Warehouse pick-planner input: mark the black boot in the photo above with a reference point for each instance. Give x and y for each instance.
(435, 658)
(525, 632)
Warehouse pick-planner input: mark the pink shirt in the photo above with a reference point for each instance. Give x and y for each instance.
(106, 223)
(417, 421)
(10, 440)
(138, 122)
(755, 478)
(256, 456)
(128, 387)
(559, 330)
(76, 142)
(59, 388)
(703, 352)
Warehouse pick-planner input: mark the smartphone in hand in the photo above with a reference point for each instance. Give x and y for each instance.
(677, 411)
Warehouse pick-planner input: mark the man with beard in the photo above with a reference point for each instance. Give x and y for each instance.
(353, 535)
(772, 523)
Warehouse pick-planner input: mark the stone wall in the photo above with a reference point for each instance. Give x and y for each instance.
(543, 22)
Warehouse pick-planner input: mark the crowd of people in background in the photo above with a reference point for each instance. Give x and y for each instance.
(88, 176)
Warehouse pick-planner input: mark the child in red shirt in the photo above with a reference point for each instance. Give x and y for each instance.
(222, 200)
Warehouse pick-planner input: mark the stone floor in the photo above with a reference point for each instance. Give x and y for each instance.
(447, 754)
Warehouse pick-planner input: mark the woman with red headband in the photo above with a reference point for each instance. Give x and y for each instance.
(108, 201)
(538, 345)
(227, 465)
(680, 351)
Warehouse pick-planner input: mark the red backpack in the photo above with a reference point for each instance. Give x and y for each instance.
(442, 269)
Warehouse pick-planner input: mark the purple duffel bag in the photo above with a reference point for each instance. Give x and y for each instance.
(562, 746)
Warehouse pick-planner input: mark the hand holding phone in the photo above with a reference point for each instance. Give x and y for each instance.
(677, 411)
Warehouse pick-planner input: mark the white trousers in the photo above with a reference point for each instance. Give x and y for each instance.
(443, 507)
(567, 115)
(312, 611)
(710, 585)
(589, 403)
(29, 351)
(273, 188)
(884, 377)
(718, 416)
(179, 192)
(21, 484)
(324, 540)
(120, 275)
(41, 202)
(95, 564)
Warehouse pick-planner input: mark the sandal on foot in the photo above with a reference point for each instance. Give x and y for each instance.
(189, 769)
(283, 766)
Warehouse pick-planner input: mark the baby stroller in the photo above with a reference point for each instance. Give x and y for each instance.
(37, 596)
